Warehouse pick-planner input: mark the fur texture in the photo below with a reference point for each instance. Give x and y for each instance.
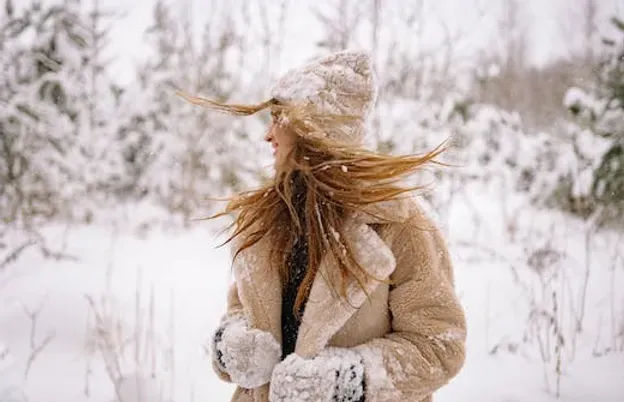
(341, 83)
(247, 355)
(409, 332)
(337, 375)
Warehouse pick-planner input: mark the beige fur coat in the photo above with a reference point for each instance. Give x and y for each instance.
(410, 332)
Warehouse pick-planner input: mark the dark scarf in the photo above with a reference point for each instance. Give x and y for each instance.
(298, 262)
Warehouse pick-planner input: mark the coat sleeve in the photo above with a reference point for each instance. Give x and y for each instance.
(426, 346)
(234, 309)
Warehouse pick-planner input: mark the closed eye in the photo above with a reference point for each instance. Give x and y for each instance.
(275, 116)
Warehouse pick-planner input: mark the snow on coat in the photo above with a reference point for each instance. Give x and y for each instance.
(248, 355)
(336, 375)
(410, 332)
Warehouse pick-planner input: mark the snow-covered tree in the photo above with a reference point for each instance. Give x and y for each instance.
(597, 136)
(98, 125)
(176, 153)
(145, 107)
(47, 132)
(32, 102)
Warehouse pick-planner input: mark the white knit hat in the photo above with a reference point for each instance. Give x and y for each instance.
(342, 84)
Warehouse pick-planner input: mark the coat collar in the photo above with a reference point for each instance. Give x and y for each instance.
(260, 290)
(325, 313)
(396, 210)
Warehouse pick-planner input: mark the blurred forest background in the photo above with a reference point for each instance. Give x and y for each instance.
(93, 136)
(76, 143)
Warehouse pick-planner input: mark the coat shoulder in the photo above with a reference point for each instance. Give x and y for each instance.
(405, 217)
(417, 244)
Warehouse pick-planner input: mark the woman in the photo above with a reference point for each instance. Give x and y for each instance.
(344, 289)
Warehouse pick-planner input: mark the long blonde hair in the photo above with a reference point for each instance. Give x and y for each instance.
(336, 179)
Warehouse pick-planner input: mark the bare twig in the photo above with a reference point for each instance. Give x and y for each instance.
(106, 346)
(583, 292)
(595, 351)
(35, 349)
(612, 295)
(493, 253)
(15, 253)
(35, 352)
(558, 346)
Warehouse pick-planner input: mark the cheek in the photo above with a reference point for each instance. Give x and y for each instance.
(285, 138)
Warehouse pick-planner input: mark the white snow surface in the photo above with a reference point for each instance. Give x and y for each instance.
(159, 297)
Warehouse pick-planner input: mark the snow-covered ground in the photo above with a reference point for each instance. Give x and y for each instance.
(179, 278)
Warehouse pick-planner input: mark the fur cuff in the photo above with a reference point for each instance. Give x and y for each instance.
(337, 375)
(247, 355)
(217, 353)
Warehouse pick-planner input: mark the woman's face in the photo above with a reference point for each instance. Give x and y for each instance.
(283, 142)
